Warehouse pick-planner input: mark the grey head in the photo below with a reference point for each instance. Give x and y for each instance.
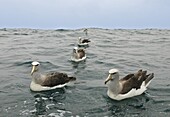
(112, 82)
(113, 75)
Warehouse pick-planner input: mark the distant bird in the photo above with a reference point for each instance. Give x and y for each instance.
(129, 86)
(78, 54)
(85, 30)
(53, 80)
(83, 42)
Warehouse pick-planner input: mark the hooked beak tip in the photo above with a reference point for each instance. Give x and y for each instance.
(105, 82)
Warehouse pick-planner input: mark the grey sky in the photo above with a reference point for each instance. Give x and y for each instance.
(84, 13)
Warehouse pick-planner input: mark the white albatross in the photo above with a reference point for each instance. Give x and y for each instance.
(129, 86)
(78, 55)
(49, 81)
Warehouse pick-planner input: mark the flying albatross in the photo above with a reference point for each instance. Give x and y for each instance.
(83, 42)
(52, 80)
(78, 54)
(129, 86)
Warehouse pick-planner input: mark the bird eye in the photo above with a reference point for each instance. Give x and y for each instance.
(114, 73)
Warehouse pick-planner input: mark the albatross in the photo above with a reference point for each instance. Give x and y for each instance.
(49, 81)
(78, 54)
(85, 30)
(131, 85)
(83, 42)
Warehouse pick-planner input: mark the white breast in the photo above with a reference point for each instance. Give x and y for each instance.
(37, 87)
(83, 44)
(78, 60)
(131, 93)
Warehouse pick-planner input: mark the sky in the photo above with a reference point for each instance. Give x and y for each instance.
(74, 14)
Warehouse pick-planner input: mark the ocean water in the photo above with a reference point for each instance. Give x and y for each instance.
(126, 50)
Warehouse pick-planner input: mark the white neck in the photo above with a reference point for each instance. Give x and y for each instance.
(114, 86)
(75, 55)
(37, 77)
(79, 40)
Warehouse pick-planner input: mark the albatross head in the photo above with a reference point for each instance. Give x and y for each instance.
(35, 65)
(85, 30)
(113, 74)
(75, 49)
(80, 40)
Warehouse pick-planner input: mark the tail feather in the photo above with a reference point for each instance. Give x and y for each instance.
(142, 77)
(139, 73)
(72, 78)
(149, 78)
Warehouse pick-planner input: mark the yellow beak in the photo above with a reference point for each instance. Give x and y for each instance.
(33, 69)
(108, 78)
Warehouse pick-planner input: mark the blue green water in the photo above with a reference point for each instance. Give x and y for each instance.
(126, 50)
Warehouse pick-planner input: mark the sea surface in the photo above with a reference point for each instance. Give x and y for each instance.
(125, 49)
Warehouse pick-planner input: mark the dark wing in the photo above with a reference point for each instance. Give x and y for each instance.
(56, 78)
(127, 83)
(132, 81)
(136, 75)
(139, 79)
(127, 77)
(81, 53)
(135, 81)
(85, 41)
(148, 78)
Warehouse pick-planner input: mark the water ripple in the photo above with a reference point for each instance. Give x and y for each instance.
(126, 50)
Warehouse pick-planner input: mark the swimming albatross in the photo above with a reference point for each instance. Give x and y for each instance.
(129, 86)
(78, 54)
(83, 42)
(85, 30)
(53, 80)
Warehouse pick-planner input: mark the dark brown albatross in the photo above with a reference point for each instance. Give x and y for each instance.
(129, 86)
(49, 81)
